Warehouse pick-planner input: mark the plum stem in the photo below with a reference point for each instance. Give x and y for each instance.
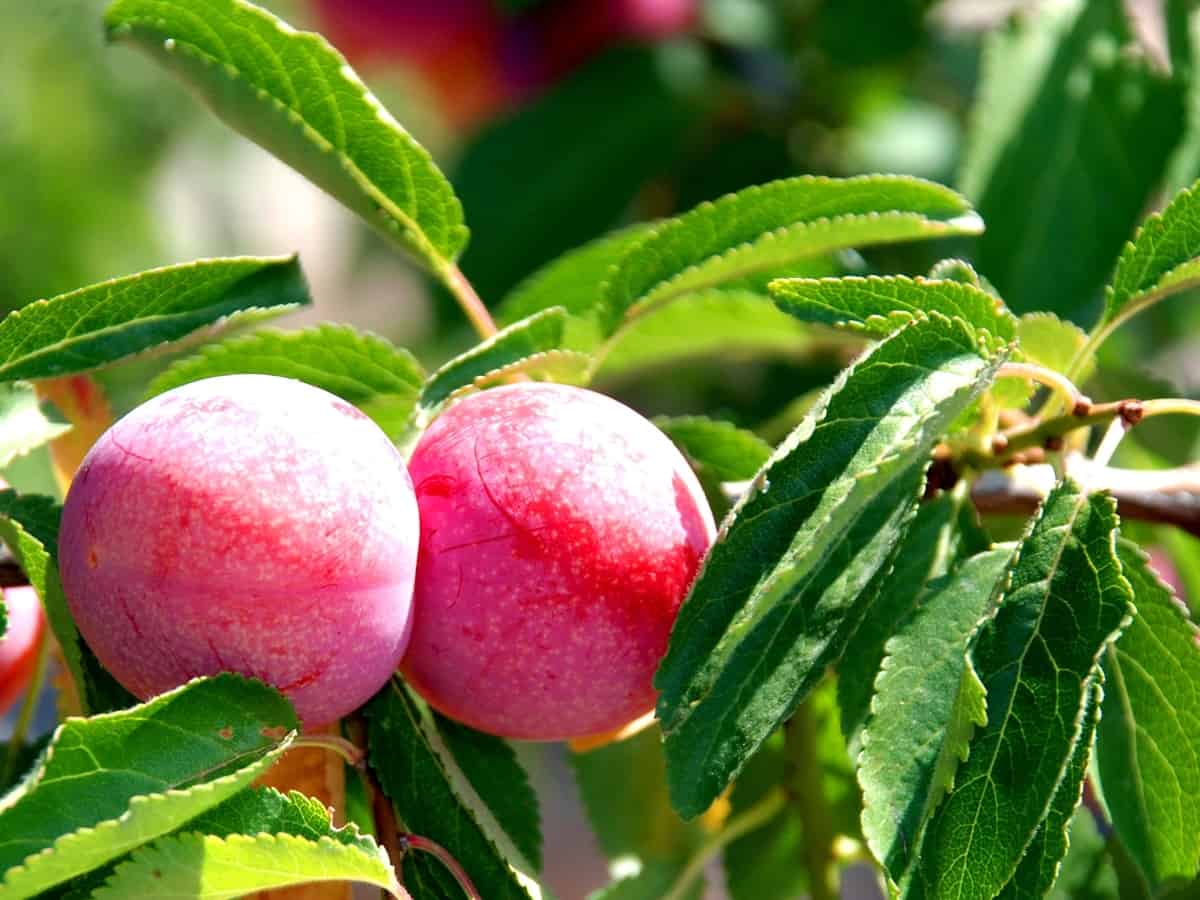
(352, 754)
(17, 739)
(469, 300)
(425, 845)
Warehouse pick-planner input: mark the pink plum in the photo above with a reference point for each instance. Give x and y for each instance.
(19, 645)
(250, 524)
(560, 531)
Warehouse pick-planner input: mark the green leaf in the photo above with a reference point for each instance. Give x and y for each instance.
(773, 226)
(290, 92)
(363, 369)
(877, 306)
(257, 840)
(1051, 342)
(1066, 601)
(100, 324)
(1039, 867)
(942, 535)
(540, 333)
(924, 710)
(623, 786)
(493, 770)
(29, 526)
(24, 425)
(112, 782)
(1069, 139)
(1160, 260)
(1148, 752)
(434, 800)
(1087, 873)
(728, 452)
(653, 882)
(782, 590)
(730, 324)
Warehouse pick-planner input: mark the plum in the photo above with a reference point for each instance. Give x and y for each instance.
(246, 523)
(560, 531)
(19, 645)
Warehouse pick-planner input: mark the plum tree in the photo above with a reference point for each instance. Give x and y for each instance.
(19, 646)
(560, 532)
(246, 523)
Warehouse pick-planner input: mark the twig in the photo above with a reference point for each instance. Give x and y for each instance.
(32, 694)
(806, 792)
(1061, 385)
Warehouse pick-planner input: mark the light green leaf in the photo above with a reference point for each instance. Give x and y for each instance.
(363, 369)
(100, 324)
(1039, 867)
(24, 425)
(1066, 600)
(1148, 751)
(115, 781)
(927, 703)
(540, 333)
(653, 882)
(436, 800)
(942, 534)
(1160, 260)
(290, 92)
(492, 768)
(962, 271)
(782, 589)
(728, 452)
(1069, 138)
(29, 526)
(1052, 342)
(257, 840)
(877, 306)
(773, 226)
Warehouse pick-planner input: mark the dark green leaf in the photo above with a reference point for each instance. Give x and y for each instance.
(729, 452)
(1087, 873)
(29, 526)
(537, 334)
(113, 782)
(432, 799)
(782, 589)
(771, 227)
(1038, 869)
(363, 369)
(24, 425)
(1066, 601)
(1148, 751)
(105, 322)
(926, 705)
(293, 94)
(491, 767)
(942, 535)
(1069, 139)
(876, 306)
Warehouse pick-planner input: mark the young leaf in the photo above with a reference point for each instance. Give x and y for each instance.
(1033, 163)
(1148, 751)
(728, 452)
(105, 322)
(782, 589)
(110, 783)
(774, 225)
(1052, 342)
(539, 333)
(257, 840)
(293, 94)
(493, 770)
(1160, 260)
(1066, 601)
(1038, 869)
(877, 306)
(29, 526)
(942, 534)
(433, 800)
(922, 717)
(363, 369)
(24, 425)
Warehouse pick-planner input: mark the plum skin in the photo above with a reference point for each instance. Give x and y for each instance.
(245, 523)
(560, 531)
(19, 645)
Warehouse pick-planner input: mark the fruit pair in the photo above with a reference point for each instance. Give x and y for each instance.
(259, 525)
